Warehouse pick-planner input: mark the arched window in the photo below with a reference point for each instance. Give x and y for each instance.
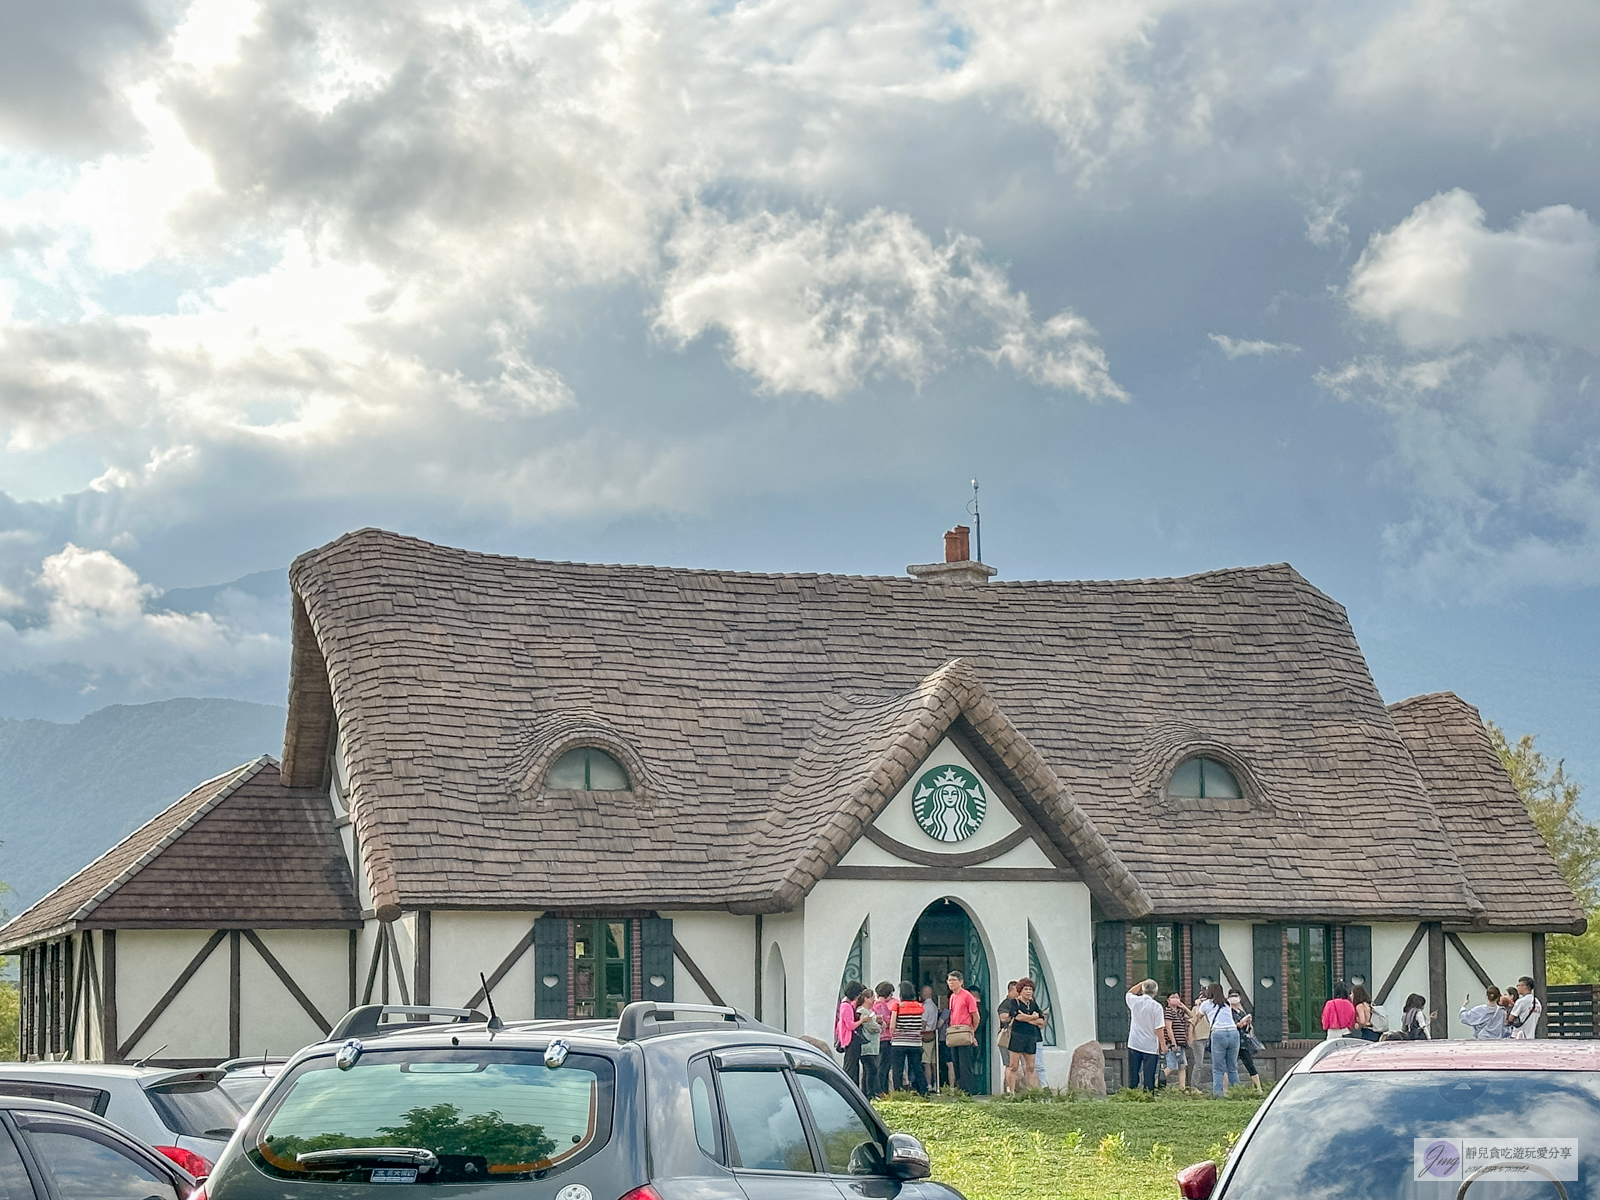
(587, 769)
(1204, 779)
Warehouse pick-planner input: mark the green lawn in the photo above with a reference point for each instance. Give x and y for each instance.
(1115, 1149)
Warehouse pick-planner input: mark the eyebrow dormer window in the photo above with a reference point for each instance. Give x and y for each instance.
(1204, 779)
(586, 769)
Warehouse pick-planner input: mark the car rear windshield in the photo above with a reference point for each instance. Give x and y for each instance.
(94, 1100)
(1419, 1135)
(487, 1114)
(195, 1108)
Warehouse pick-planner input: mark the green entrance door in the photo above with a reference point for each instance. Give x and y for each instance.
(944, 939)
(600, 959)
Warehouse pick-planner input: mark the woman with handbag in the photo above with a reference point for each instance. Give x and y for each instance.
(1249, 1043)
(1004, 1012)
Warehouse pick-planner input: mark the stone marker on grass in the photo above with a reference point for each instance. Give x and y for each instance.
(1088, 1073)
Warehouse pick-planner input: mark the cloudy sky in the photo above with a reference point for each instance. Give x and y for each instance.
(765, 284)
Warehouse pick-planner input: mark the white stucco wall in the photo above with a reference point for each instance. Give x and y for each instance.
(1388, 942)
(270, 1018)
(466, 943)
(723, 946)
(1237, 942)
(1505, 956)
(1002, 913)
(195, 1024)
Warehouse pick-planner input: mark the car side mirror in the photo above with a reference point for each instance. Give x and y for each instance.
(908, 1158)
(1197, 1182)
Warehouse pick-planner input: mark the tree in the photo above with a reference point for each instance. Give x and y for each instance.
(1552, 801)
(10, 1001)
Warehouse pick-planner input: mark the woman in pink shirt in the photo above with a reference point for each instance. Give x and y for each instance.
(1338, 1014)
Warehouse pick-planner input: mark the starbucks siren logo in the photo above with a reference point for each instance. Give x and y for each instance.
(949, 803)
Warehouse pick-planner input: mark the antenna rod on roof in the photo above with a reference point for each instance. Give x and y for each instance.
(977, 518)
(495, 1023)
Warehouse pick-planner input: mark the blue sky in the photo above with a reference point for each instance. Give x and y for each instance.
(763, 285)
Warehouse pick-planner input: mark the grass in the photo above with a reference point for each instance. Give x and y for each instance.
(1118, 1149)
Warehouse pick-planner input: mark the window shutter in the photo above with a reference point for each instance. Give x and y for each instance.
(1267, 984)
(1358, 956)
(1207, 955)
(550, 962)
(1111, 963)
(657, 961)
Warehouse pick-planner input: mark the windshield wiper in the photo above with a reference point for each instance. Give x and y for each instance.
(405, 1156)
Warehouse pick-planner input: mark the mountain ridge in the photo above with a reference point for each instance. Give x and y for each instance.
(69, 792)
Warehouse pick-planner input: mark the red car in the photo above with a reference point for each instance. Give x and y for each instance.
(1357, 1120)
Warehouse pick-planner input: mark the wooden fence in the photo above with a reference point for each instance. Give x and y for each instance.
(1570, 1010)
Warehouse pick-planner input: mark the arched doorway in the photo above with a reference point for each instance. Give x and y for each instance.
(775, 991)
(944, 939)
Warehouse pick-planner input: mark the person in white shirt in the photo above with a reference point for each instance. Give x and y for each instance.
(1524, 1017)
(1487, 1021)
(1147, 1023)
(1224, 1040)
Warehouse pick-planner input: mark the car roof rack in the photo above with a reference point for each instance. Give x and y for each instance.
(650, 1018)
(367, 1020)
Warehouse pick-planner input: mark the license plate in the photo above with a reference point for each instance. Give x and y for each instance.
(394, 1174)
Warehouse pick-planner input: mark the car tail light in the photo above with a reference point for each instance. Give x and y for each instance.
(187, 1159)
(643, 1193)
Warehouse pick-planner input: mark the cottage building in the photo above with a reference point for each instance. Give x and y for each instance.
(597, 784)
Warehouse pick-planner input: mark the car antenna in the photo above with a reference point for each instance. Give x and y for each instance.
(495, 1023)
(152, 1054)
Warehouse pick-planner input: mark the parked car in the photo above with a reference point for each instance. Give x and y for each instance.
(667, 1102)
(246, 1078)
(51, 1151)
(184, 1114)
(1421, 1120)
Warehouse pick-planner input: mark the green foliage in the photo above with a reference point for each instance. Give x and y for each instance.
(1071, 1148)
(10, 1013)
(439, 1128)
(1552, 800)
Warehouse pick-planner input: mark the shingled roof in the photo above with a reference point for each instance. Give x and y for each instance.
(240, 851)
(744, 706)
(1502, 853)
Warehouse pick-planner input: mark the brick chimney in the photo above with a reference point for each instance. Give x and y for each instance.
(958, 545)
(957, 566)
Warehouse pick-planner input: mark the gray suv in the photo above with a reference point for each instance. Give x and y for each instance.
(669, 1102)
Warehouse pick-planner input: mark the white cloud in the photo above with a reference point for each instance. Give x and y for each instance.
(1242, 348)
(1443, 278)
(97, 615)
(822, 305)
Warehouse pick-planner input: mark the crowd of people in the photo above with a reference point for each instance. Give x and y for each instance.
(1168, 1042)
(902, 1038)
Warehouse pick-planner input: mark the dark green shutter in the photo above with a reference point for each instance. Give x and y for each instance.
(1358, 956)
(1267, 986)
(1110, 965)
(657, 958)
(1207, 955)
(550, 962)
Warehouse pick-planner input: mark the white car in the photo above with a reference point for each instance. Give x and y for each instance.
(185, 1114)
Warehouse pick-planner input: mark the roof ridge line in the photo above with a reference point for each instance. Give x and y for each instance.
(316, 554)
(243, 773)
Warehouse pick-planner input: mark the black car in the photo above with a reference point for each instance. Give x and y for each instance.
(669, 1102)
(51, 1151)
